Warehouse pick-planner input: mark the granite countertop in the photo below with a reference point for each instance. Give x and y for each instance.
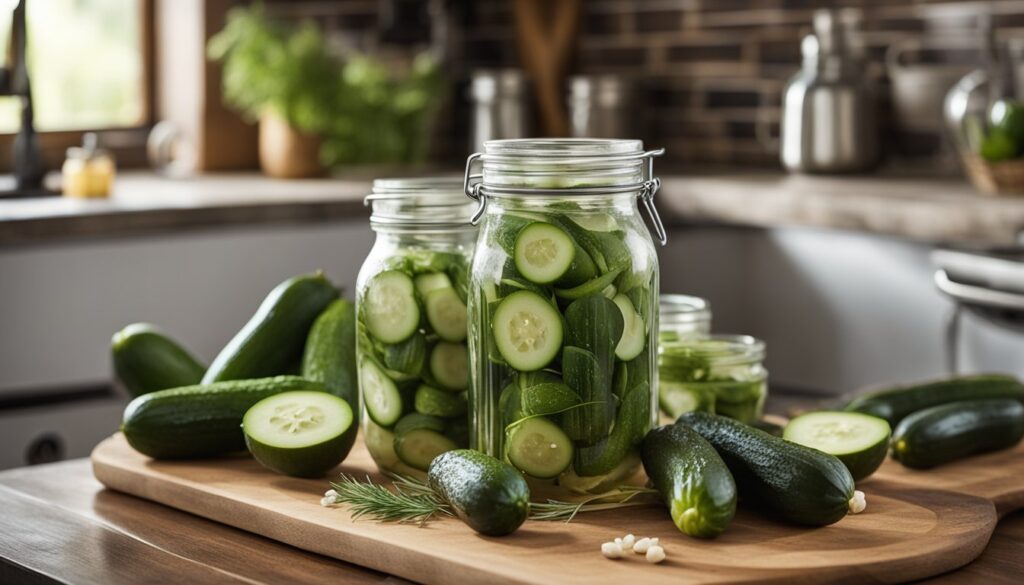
(930, 210)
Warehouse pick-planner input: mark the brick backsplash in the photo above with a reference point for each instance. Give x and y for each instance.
(711, 72)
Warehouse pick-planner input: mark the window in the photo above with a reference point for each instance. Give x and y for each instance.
(86, 64)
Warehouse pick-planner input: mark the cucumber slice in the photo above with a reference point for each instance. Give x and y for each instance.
(390, 308)
(675, 398)
(446, 314)
(431, 281)
(449, 365)
(860, 441)
(418, 447)
(548, 398)
(406, 358)
(537, 447)
(527, 331)
(300, 433)
(596, 222)
(634, 332)
(512, 223)
(415, 420)
(543, 253)
(436, 402)
(591, 287)
(380, 394)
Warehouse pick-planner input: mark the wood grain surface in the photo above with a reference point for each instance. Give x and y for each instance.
(911, 530)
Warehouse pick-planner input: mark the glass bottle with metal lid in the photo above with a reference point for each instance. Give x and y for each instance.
(563, 308)
(411, 335)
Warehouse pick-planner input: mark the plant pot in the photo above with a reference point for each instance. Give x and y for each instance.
(285, 152)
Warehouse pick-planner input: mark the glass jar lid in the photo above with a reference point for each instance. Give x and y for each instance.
(564, 167)
(679, 310)
(422, 202)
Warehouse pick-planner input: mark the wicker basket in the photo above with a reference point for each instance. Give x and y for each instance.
(1001, 178)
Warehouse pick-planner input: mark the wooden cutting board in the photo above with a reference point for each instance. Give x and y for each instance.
(917, 524)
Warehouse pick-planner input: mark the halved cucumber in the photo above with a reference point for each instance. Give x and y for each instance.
(860, 441)
(527, 331)
(390, 308)
(300, 433)
(431, 281)
(380, 394)
(537, 447)
(449, 365)
(417, 448)
(446, 314)
(436, 402)
(543, 252)
(634, 332)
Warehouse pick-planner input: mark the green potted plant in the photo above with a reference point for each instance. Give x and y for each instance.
(316, 108)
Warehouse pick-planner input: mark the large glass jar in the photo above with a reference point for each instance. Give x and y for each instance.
(721, 374)
(564, 309)
(410, 301)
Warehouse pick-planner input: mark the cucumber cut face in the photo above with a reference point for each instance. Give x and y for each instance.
(380, 394)
(446, 314)
(543, 252)
(537, 447)
(634, 332)
(527, 331)
(431, 281)
(860, 441)
(417, 448)
(300, 433)
(449, 365)
(391, 311)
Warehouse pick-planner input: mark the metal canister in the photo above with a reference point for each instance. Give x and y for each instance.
(599, 106)
(501, 110)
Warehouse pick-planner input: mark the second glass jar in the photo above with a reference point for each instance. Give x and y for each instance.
(564, 309)
(411, 334)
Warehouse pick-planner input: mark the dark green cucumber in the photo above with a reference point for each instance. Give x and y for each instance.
(693, 480)
(893, 404)
(594, 326)
(330, 353)
(275, 336)
(146, 360)
(202, 420)
(487, 494)
(631, 424)
(796, 483)
(948, 432)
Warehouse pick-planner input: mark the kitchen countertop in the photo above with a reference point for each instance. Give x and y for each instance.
(927, 210)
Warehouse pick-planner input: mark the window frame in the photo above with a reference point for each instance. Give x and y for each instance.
(127, 143)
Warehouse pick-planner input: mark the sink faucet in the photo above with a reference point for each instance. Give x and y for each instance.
(28, 160)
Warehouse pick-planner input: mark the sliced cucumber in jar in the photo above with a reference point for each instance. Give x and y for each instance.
(418, 447)
(634, 332)
(416, 420)
(300, 433)
(390, 308)
(431, 281)
(380, 394)
(675, 398)
(527, 331)
(407, 357)
(591, 287)
(437, 402)
(510, 404)
(548, 398)
(543, 252)
(446, 314)
(449, 365)
(537, 447)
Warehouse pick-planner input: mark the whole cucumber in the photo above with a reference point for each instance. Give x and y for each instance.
(788, 480)
(330, 353)
(275, 336)
(145, 360)
(693, 480)
(486, 493)
(201, 420)
(948, 432)
(893, 404)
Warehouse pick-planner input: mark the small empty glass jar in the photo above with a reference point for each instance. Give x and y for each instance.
(721, 374)
(683, 316)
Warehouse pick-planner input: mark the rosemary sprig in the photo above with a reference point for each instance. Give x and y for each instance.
(623, 497)
(371, 499)
(414, 501)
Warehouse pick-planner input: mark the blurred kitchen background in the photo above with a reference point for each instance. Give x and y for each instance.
(841, 177)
